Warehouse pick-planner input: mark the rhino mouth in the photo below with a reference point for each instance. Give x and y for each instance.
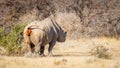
(62, 36)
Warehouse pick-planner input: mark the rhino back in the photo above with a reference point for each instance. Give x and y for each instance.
(50, 28)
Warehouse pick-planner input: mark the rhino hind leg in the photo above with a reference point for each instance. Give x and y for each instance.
(37, 49)
(29, 50)
(32, 47)
(42, 48)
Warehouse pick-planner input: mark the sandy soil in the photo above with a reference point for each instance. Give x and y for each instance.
(70, 54)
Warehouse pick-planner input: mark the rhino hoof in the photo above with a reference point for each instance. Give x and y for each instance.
(29, 54)
(42, 55)
(50, 55)
(35, 55)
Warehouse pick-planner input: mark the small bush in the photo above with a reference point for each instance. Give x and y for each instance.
(101, 52)
(11, 42)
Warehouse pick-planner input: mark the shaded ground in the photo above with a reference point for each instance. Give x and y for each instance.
(71, 54)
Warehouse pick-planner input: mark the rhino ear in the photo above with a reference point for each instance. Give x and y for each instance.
(65, 33)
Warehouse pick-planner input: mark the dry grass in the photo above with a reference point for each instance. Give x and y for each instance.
(101, 51)
(71, 54)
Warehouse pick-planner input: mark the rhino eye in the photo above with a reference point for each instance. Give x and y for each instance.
(65, 33)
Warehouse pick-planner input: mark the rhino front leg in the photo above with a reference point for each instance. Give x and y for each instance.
(51, 45)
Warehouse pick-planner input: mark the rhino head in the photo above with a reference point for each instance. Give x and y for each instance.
(62, 36)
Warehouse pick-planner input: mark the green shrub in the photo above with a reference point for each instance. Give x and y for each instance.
(101, 52)
(11, 42)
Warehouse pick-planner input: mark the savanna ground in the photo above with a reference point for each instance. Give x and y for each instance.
(85, 18)
(70, 54)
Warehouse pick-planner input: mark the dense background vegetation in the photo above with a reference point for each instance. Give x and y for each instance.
(86, 18)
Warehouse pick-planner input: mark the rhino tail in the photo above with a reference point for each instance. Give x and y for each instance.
(28, 32)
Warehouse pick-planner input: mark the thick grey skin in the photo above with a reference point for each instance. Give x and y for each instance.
(44, 32)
